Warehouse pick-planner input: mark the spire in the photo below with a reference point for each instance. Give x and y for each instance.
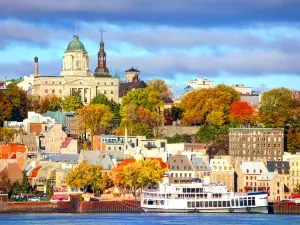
(101, 70)
(117, 75)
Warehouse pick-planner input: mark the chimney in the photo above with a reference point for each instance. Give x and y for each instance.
(36, 67)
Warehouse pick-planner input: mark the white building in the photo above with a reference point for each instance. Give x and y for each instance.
(76, 76)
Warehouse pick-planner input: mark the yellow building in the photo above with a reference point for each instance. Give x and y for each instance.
(294, 172)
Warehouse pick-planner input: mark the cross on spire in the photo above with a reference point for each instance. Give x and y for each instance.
(101, 31)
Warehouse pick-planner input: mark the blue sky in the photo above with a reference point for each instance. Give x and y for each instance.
(248, 42)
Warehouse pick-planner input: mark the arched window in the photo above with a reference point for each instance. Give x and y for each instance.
(247, 171)
(178, 167)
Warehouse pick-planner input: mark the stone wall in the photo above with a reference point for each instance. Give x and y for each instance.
(169, 131)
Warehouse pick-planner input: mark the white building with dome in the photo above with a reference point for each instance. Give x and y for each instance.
(76, 76)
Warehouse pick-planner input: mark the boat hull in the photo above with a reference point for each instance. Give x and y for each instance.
(258, 209)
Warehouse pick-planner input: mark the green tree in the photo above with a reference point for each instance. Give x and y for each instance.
(72, 103)
(16, 188)
(179, 138)
(293, 141)
(49, 189)
(7, 134)
(51, 103)
(215, 118)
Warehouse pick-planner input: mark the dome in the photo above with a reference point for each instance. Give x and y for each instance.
(76, 45)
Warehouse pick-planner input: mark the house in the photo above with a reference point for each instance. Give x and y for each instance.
(69, 146)
(14, 172)
(180, 169)
(200, 167)
(53, 138)
(222, 172)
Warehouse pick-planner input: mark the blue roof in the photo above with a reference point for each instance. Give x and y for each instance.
(198, 162)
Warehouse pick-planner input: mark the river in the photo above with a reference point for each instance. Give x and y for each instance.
(147, 219)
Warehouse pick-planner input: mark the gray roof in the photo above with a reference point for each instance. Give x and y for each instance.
(283, 167)
(200, 165)
(67, 158)
(94, 157)
(180, 162)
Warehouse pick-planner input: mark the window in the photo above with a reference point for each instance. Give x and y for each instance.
(46, 90)
(105, 92)
(53, 91)
(112, 83)
(60, 91)
(112, 92)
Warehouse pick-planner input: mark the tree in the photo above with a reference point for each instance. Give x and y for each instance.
(235, 95)
(72, 103)
(13, 104)
(114, 107)
(86, 175)
(33, 103)
(141, 174)
(215, 118)
(5, 184)
(16, 188)
(49, 189)
(51, 103)
(278, 108)
(7, 134)
(199, 104)
(94, 115)
(179, 138)
(241, 112)
(293, 141)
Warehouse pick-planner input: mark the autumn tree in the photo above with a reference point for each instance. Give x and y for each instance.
(33, 103)
(198, 105)
(296, 189)
(114, 107)
(72, 103)
(293, 141)
(51, 103)
(8, 134)
(86, 176)
(13, 104)
(179, 138)
(241, 112)
(138, 174)
(93, 116)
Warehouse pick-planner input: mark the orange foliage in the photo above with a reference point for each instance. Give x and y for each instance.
(241, 112)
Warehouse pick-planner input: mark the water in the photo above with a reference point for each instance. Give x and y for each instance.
(147, 218)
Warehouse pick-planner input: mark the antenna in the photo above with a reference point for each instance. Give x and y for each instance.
(101, 31)
(75, 26)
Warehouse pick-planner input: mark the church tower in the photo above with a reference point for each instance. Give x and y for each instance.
(101, 70)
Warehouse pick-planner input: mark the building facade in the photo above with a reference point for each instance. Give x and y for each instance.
(295, 172)
(250, 144)
(76, 76)
(222, 172)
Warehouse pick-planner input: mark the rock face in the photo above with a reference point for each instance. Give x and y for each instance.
(169, 131)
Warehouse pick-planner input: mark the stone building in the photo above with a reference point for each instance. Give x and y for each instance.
(76, 76)
(181, 169)
(294, 171)
(252, 144)
(222, 172)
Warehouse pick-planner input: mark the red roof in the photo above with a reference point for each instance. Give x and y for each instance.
(35, 171)
(66, 142)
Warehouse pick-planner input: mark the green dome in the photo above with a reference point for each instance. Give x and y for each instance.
(75, 45)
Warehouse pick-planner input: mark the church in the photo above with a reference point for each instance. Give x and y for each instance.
(76, 76)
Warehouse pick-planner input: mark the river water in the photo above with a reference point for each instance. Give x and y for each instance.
(147, 219)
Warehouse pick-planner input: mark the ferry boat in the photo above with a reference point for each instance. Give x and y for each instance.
(199, 196)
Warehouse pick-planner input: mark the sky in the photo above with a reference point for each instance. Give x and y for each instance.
(250, 42)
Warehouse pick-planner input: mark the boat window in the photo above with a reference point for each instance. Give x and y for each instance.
(210, 203)
(201, 204)
(150, 202)
(224, 204)
(245, 202)
(189, 204)
(232, 202)
(219, 204)
(205, 195)
(201, 190)
(215, 204)
(197, 190)
(197, 204)
(206, 204)
(184, 190)
(145, 202)
(249, 201)
(241, 202)
(228, 203)
(253, 201)
(193, 204)
(236, 202)
(192, 190)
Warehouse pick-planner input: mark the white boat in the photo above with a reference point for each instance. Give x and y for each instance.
(201, 196)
